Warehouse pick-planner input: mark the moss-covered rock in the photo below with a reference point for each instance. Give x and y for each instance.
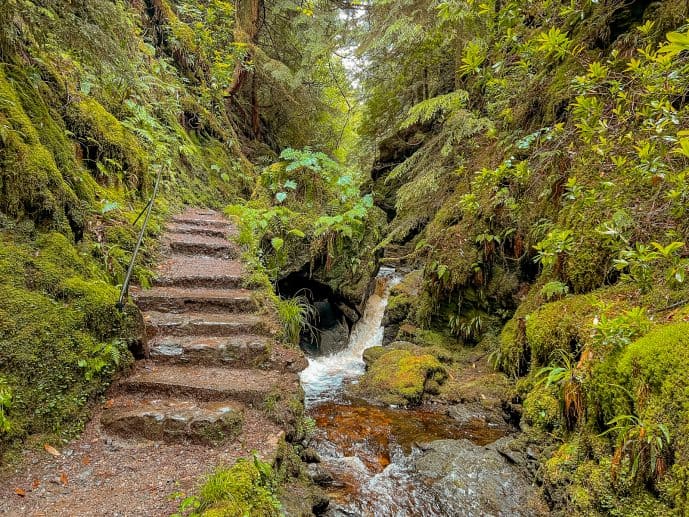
(565, 324)
(402, 377)
(654, 368)
(31, 184)
(542, 409)
(61, 338)
(110, 149)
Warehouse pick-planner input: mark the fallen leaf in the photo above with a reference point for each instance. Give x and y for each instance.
(86, 460)
(64, 479)
(36, 483)
(109, 403)
(20, 492)
(52, 450)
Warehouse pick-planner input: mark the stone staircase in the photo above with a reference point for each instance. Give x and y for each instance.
(213, 365)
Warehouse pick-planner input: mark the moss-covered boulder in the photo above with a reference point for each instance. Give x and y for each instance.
(565, 324)
(402, 377)
(655, 369)
(401, 303)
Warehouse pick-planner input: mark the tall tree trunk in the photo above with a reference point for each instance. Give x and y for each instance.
(247, 31)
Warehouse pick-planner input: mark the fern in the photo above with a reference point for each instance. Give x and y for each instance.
(442, 104)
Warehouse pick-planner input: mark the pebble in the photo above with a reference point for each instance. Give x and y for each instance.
(85, 474)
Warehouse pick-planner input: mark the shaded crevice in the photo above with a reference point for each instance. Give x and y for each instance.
(336, 315)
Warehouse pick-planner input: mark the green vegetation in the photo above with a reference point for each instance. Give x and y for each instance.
(532, 159)
(247, 488)
(95, 99)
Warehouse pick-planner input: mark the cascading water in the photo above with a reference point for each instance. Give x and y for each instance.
(326, 376)
(368, 451)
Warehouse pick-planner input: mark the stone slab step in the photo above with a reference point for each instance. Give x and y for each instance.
(210, 231)
(173, 420)
(202, 217)
(253, 387)
(195, 244)
(184, 270)
(204, 299)
(241, 350)
(203, 324)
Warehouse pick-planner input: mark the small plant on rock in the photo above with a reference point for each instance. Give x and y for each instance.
(565, 375)
(297, 314)
(641, 449)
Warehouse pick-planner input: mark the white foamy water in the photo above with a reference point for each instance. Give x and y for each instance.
(326, 375)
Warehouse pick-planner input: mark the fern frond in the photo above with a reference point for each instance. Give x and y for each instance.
(442, 104)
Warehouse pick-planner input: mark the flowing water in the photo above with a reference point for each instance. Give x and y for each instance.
(369, 452)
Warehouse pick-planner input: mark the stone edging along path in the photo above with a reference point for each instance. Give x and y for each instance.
(215, 387)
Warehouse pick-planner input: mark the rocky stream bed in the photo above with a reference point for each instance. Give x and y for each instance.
(432, 460)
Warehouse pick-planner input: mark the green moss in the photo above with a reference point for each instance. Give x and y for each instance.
(371, 355)
(587, 265)
(513, 354)
(566, 325)
(654, 367)
(542, 409)
(402, 376)
(30, 182)
(59, 334)
(109, 145)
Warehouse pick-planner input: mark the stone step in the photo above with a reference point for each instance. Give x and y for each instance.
(195, 244)
(188, 271)
(173, 420)
(210, 231)
(241, 350)
(203, 324)
(208, 218)
(204, 299)
(252, 387)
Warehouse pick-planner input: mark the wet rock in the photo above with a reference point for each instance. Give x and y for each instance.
(321, 504)
(173, 420)
(509, 449)
(333, 339)
(310, 455)
(319, 475)
(351, 314)
(476, 480)
(466, 414)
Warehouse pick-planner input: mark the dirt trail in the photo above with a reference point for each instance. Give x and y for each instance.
(206, 394)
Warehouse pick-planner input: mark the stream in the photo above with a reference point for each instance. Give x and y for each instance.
(386, 461)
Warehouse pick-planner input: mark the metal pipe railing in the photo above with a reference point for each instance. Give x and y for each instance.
(149, 206)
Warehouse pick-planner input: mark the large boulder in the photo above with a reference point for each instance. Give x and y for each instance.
(476, 480)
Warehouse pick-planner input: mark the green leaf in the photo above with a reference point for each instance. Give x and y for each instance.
(297, 232)
(109, 206)
(281, 196)
(277, 243)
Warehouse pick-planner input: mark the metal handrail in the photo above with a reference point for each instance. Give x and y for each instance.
(149, 206)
